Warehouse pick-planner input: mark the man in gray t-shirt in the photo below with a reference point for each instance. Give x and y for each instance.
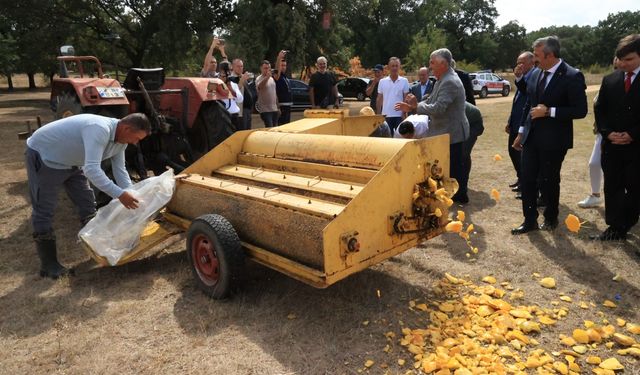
(68, 153)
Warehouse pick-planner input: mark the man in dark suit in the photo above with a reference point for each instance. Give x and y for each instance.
(556, 96)
(424, 85)
(524, 67)
(466, 83)
(617, 112)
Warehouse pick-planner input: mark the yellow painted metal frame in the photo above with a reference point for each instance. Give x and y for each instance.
(384, 171)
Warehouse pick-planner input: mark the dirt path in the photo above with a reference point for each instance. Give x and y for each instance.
(148, 318)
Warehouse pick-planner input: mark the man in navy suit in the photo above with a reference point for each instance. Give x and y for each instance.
(617, 114)
(424, 85)
(524, 67)
(556, 97)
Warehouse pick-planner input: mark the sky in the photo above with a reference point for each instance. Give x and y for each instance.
(543, 13)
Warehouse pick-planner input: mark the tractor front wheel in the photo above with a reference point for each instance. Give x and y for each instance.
(214, 254)
(212, 126)
(68, 105)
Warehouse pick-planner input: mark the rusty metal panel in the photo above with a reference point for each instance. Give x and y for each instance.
(286, 232)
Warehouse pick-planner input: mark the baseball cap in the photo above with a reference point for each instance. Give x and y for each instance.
(379, 67)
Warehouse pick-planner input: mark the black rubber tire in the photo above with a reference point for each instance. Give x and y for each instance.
(215, 231)
(505, 91)
(212, 126)
(68, 105)
(361, 96)
(484, 92)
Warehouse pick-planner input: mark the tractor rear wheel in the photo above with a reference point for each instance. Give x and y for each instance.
(212, 126)
(68, 105)
(214, 254)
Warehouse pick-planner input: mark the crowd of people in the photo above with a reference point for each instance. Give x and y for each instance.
(273, 97)
(550, 95)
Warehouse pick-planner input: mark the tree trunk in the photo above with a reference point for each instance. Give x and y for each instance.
(10, 82)
(32, 81)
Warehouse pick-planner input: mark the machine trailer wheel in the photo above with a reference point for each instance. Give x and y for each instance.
(215, 255)
(68, 105)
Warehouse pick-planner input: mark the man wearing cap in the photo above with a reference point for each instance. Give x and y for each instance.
(372, 87)
(392, 90)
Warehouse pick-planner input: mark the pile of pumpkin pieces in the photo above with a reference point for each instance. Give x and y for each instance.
(476, 331)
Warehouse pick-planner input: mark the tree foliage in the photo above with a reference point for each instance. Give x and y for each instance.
(174, 34)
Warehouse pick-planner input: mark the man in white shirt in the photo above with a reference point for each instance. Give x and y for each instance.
(413, 127)
(392, 90)
(67, 153)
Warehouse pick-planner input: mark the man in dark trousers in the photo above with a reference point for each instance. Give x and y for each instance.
(524, 68)
(556, 96)
(617, 112)
(466, 82)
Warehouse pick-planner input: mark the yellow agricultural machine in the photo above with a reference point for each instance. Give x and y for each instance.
(316, 199)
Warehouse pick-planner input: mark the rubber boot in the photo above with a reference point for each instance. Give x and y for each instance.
(49, 266)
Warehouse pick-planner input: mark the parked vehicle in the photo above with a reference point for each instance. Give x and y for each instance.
(353, 87)
(489, 83)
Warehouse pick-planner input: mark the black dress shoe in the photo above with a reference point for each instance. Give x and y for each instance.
(609, 235)
(519, 195)
(516, 188)
(515, 184)
(549, 225)
(460, 198)
(524, 228)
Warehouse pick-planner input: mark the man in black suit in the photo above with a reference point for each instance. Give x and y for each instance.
(466, 83)
(617, 112)
(524, 67)
(556, 96)
(423, 86)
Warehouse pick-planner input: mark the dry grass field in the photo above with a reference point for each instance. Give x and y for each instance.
(148, 318)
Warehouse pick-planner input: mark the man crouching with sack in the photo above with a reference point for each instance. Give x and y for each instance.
(68, 153)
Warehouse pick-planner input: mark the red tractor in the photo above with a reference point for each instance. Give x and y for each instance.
(187, 114)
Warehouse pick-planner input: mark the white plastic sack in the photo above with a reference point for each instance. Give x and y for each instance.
(115, 230)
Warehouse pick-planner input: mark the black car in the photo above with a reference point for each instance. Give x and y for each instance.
(299, 92)
(353, 87)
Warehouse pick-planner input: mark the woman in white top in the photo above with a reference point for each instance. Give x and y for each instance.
(235, 94)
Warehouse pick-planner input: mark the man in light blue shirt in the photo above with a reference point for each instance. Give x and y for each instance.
(68, 153)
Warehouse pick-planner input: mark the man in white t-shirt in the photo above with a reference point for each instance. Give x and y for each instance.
(392, 90)
(413, 127)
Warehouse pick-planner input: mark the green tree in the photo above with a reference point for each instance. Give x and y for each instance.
(423, 44)
(381, 28)
(511, 39)
(610, 30)
(464, 18)
(576, 43)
